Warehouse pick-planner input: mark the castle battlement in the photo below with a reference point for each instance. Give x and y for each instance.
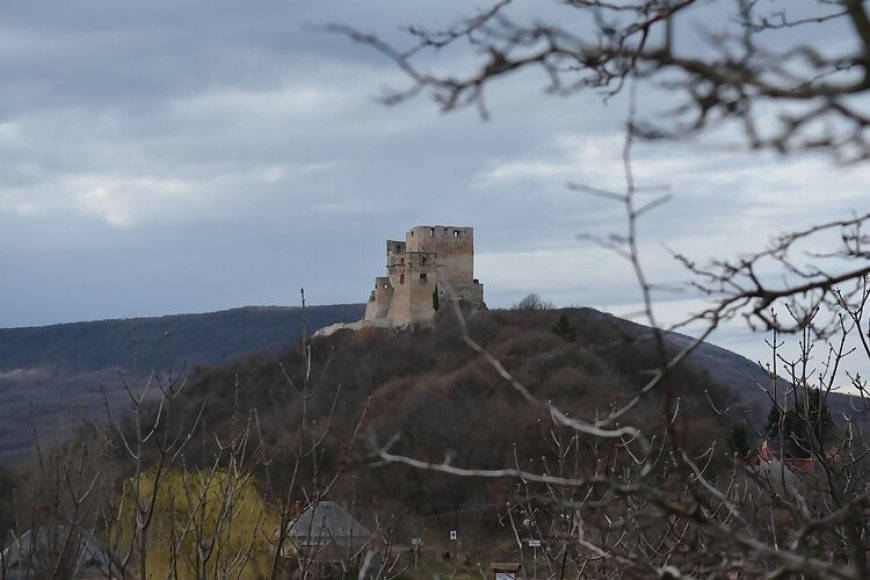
(421, 271)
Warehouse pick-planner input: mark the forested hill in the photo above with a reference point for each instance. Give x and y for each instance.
(434, 397)
(55, 373)
(430, 385)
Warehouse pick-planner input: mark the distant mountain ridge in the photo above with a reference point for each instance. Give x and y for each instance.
(747, 380)
(48, 371)
(750, 383)
(202, 339)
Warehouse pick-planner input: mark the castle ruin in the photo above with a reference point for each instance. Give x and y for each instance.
(433, 264)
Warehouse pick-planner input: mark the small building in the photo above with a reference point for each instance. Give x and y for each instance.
(768, 453)
(505, 571)
(325, 531)
(56, 551)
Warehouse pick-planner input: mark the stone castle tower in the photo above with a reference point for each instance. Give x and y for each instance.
(419, 272)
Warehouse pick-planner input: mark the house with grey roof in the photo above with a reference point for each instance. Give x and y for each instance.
(55, 551)
(327, 532)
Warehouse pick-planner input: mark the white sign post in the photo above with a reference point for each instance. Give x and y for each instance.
(534, 545)
(454, 536)
(416, 542)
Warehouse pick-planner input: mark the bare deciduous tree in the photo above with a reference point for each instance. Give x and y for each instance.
(721, 62)
(639, 501)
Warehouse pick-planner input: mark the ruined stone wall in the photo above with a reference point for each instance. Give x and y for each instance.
(420, 267)
(395, 247)
(471, 293)
(454, 247)
(383, 297)
(379, 302)
(421, 285)
(397, 270)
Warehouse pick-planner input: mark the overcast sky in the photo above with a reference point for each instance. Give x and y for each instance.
(166, 157)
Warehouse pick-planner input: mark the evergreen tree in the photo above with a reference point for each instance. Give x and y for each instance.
(564, 330)
(739, 438)
(774, 419)
(806, 429)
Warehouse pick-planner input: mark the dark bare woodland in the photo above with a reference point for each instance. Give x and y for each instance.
(234, 436)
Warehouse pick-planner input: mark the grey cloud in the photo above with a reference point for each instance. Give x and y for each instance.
(170, 157)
